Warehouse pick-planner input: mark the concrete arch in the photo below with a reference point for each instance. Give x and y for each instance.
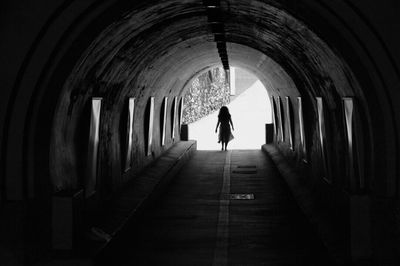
(196, 8)
(116, 49)
(120, 57)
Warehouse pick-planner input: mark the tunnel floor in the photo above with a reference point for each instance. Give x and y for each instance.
(208, 216)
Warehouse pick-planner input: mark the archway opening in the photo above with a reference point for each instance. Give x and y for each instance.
(248, 103)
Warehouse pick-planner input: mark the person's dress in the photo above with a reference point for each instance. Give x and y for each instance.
(225, 134)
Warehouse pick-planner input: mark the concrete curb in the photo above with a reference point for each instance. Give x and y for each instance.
(308, 203)
(142, 192)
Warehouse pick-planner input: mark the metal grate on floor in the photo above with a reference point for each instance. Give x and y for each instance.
(245, 169)
(242, 196)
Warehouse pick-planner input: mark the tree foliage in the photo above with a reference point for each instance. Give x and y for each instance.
(208, 93)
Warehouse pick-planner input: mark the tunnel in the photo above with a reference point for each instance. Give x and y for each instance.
(92, 99)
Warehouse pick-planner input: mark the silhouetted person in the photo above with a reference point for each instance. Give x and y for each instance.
(224, 123)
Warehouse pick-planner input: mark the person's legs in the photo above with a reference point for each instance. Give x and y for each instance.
(222, 145)
(226, 145)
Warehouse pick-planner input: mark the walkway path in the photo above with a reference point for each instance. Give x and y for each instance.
(199, 221)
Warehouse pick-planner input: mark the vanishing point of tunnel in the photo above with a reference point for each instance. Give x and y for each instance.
(97, 166)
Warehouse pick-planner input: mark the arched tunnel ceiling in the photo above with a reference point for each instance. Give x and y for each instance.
(165, 45)
(71, 51)
(117, 49)
(272, 75)
(156, 50)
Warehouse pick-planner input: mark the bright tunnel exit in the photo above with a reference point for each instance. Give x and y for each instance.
(249, 105)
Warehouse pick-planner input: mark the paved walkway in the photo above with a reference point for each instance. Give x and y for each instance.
(198, 221)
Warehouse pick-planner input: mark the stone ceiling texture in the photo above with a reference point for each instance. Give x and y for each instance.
(163, 46)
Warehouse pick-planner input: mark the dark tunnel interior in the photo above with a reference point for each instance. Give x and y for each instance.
(92, 96)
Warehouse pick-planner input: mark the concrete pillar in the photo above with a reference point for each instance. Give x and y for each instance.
(184, 132)
(269, 133)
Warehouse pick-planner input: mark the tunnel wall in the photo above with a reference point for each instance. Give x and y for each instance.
(45, 22)
(40, 21)
(42, 41)
(324, 78)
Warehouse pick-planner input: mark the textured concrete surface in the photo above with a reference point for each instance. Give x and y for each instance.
(333, 229)
(136, 195)
(58, 54)
(126, 206)
(182, 227)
